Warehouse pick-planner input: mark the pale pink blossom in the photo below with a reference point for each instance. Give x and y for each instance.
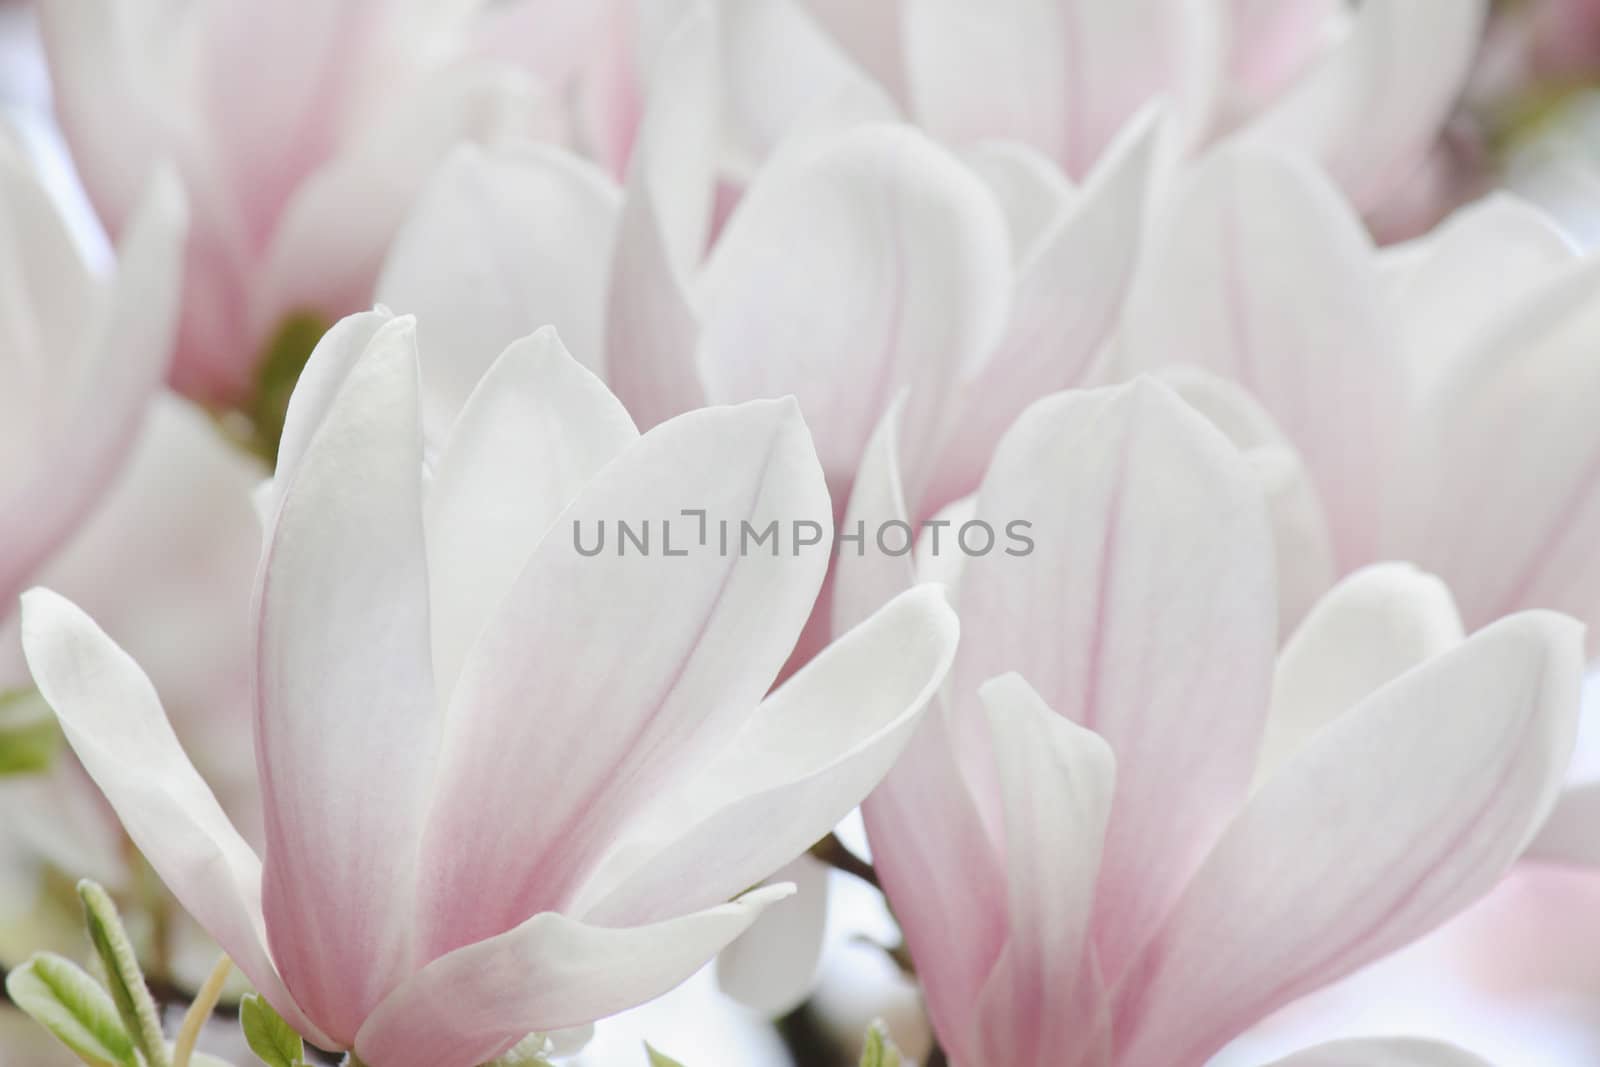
(507, 787)
(301, 128)
(1129, 829)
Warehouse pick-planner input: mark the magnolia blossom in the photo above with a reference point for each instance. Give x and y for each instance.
(1419, 386)
(507, 786)
(82, 357)
(1124, 835)
(302, 129)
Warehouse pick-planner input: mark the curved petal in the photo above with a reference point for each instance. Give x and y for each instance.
(1270, 42)
(908, 253)
(1299, 526)
(1145, 612)
(1089, 250)
(1057, 780)
(1383, 1052)
(609, 672)
(92, 395)
(650, 323)
(865, 575)
(812, 751)
(1518, 402)
(1061, 75)
(549, 973)
(499, 245)
(1326, 870)
(533, 433)
(1371, 628)
(329, 245)
(114, 720)
(345, 693)
(871, 33)
(772, 966)
(1370, 110)
(1261, 274)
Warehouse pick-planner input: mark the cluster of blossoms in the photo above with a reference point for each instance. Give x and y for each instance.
(535, 468)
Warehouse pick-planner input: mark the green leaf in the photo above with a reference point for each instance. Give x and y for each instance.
(29, 735)
(658, 1059)
(269, 1037)
(59, 996)
(879, 1050)
(123, 976)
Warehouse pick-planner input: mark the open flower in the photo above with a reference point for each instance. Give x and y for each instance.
(1420, 386)
(82, 357)
(508, 786)
(1123, 836)
(301, 128)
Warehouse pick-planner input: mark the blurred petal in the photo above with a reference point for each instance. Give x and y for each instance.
(812, 751)
(1089, 250)
(1061, 75)
(549, 973)
(346, 693)
(908, 253)
(1261, 274)
(1383, 1052)
(866, 577)
(610, 672)
(1370, 110)
(538, 422)
(114, 720)
(1151, 545)
(1326, 869)
(1509, 431)
(1058, 780)
(650, 323)
(1371, 628)
(499, 245)
(770, 969)
(1299, 527)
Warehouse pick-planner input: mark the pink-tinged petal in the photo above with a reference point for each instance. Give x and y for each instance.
(1383, 1052)
(1299, 526)
(549, 973)
(1478, 266)
(500, 244)
(1369, 837)
(612, 669)
(1369, 110)
(779, 67)
(90, 395)
(1517, 403)
(345, 693)
(1045, 996)
(1151, 545)
(1089, 250)
(867, 576)
(539, 422)
(329, 246)
(651, 324)
(796, 767)
(772, 967)
(1031, 190)
(1569, 836)
(942, 873)
(871, 33)
(908, 253)
(1061, 75)
(1270, 42)
(1371, 628)
(114, 720)
(1260, 273)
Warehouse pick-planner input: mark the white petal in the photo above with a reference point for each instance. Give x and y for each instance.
(500, 244)
(549, 973)
(114, 720)
(1383, 1052)
(771, 968)
(1369, 837)
(529, 438)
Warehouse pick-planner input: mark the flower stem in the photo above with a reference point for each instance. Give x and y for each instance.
(199, 1012)
(837, 854)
